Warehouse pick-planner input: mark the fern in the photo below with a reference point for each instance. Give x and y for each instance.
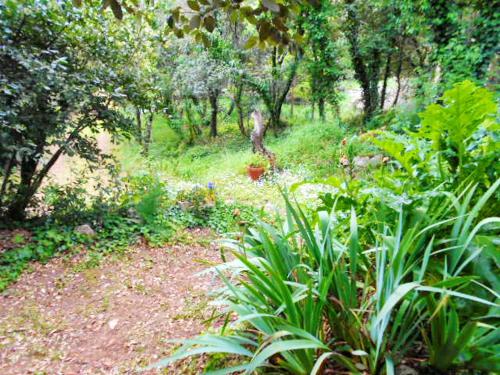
(450, 126)
(457, 136)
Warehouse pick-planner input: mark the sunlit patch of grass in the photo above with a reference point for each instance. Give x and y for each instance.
(306, 149)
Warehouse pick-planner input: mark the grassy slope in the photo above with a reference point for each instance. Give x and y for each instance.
(307, 149)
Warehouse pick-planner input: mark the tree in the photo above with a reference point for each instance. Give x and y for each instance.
(59, 85)
(146, 88)
(363, 31)
(273, 84)
(383, 37)
(322, 57)
(464, 36)
(198, 77)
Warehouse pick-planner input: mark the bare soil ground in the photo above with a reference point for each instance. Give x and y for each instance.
(111, 319)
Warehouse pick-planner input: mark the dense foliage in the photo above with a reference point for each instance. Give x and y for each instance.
(57, 89)
(370, 243)
(77, 71)
(140, 206)
(402, 268)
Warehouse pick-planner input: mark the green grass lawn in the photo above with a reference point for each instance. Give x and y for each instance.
(306, 149)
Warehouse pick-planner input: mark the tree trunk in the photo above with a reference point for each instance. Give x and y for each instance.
(148, 135)
(374, 65)
(274, 121)
(292, 102)
(231, 108)
(192, 128)
(398, 76)
(321, 109)
(281, 97)
(370, 99)
(7, 171)
(276, 97)
(257, 138)
(20, 201)
(138, 122)
(213, 118)
(17, 208)
(239, 109)
(241, 121)
(387, 73)
(366, 73)
(30, 180)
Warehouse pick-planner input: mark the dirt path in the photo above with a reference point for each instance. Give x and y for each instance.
(106, 320)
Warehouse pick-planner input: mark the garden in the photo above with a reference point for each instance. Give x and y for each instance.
(271, 187)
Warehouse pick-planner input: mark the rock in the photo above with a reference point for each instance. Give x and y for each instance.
(405, 370)
(132, 213)
(367, 161)
(112, 323)
(361, 161)
(184, 205)
(376, 160)
(85, 229)
(344, 161)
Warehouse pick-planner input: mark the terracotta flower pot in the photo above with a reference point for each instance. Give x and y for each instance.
(255, 172)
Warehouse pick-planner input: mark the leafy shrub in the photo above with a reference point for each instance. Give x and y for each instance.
(358, 298)
(197, 200)
(452, 128)
(457, 141)
(107, 212)
(147, 194)
(67, 203)
(147, 198)
(51, 240)
(199, 207)
(83, 201)
(226, 217)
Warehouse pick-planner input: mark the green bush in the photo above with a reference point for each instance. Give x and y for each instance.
(200, 207)
(115, 234)
(456, 141)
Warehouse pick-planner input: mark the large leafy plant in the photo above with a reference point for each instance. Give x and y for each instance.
(457, 140)
(451, 127)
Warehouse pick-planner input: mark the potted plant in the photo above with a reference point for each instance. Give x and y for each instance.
(257, 166)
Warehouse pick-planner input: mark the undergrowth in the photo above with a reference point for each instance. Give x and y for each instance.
(139, 207)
